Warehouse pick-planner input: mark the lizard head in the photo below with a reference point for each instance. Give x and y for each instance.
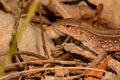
(70, 27)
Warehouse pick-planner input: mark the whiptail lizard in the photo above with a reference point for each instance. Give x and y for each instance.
(99, 41)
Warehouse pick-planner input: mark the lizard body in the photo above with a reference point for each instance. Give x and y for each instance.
(99, 41)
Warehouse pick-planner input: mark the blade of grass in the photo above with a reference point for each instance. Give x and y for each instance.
(18, 35)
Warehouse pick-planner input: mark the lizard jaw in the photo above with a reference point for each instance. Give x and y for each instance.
(58, 31)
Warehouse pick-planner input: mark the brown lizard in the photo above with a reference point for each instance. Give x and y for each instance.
(99, 41)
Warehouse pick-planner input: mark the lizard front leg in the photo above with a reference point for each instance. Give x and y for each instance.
(102, 53)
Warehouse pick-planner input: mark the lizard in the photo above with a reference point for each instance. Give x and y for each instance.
(99, 41)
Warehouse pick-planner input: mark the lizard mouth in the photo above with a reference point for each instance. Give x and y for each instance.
(58, 31)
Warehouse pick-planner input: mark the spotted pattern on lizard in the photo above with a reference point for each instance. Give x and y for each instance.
(97, 42)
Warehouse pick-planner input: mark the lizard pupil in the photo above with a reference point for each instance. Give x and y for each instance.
(81, 33)
(67, 26)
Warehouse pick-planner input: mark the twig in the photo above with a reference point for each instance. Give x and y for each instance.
(42, 34)
(7, 8)
(30, 54)
(45, 61)
(16, 25)
(12, 75)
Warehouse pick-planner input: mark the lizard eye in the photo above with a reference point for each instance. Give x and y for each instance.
(81, 33)
(68, 25)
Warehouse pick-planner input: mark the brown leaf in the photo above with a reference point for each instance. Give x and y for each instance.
(94, 75)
